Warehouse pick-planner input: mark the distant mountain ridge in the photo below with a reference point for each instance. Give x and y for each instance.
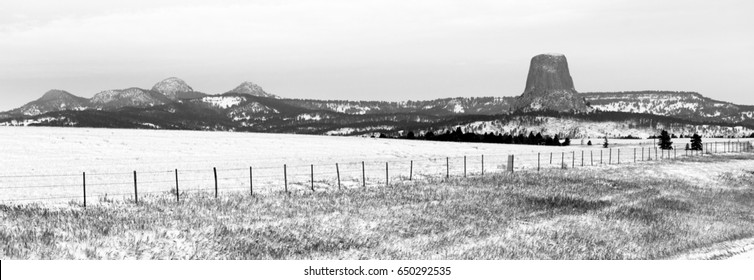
(173, 104)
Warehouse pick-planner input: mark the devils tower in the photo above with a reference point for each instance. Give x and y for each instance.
(549, 87)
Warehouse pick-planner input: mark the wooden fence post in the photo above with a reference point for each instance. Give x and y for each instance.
(618, 156)
(363, 175)
(538, 161)
(177, 191)
(482, 165)
(562, 160)
(600, 157)
(83, 176)
(510, 163)
(447, 167)
(136, 193)
(285, 177)
(610, 156)
(550, 158)
(251, 182)
(464, 166)
(387, 176)
(634, 155)
(591, 158)
(573, 159)
(337, 170)
(655, 152)
(312, 177)
(582, 158)
(214, 170)
(411, 171)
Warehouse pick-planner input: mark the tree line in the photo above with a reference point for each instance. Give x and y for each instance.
(459, 136)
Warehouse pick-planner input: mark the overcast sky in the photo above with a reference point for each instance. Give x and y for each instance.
(374, 50)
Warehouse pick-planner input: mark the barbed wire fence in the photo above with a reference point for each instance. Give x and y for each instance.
(87, 187)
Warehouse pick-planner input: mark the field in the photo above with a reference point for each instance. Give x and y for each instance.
(651, 210)
(46, 164)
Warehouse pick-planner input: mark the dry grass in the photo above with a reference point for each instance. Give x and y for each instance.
(590, 213)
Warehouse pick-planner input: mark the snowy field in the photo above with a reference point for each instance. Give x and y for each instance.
(45, 164)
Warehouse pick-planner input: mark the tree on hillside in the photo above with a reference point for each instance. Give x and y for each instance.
(696, 142)
(752, 135)
(429, 135)
(665, 142)
(589, 143)
(567, 141)
(605, 144)
(410, 135)
(556, 140)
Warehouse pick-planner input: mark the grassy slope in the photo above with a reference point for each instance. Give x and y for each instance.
(591, 213)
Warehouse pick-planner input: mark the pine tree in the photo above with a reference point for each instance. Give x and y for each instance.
(604, 145)
(665, 142)
(567, 141)
(589, 143)
(410, 135)
(696, 142)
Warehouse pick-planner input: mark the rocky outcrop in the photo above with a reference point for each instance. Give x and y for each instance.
(53, 100)
(549, 86)
(251, 89)
(173, 88)
(130, 97)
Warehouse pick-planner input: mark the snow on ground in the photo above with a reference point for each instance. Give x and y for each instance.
(33, 157)
(223, 101)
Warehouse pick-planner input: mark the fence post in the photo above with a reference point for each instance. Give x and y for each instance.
(387, 176)
(618, 156)
(538, 161)
(610, 156)
(642, 153)
(562, 160)
(591, 158)
(411, 171)
(312, 177)
(600, 157)
(177, 191)
(337, 170)
(363, 175)
(214, 170)
(655, 152)
(573, 159)
(447, 167)
(634, 155)
(464, 166)
(285, 177)
(550, 158)
(582, 158)
(83, 176)
(251, 182)
(675, 153)
(482, 165)
(510, 163)
(136, 193)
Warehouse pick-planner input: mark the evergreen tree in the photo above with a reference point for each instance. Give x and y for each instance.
(541, 140)
(567, 141)
(696, 142)
(665, 142)
(589, 143)
(556, 140)
(429, 135)
(531, 140)
(604, 145)
(410, 135)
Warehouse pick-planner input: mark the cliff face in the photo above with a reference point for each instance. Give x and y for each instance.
(549, 86)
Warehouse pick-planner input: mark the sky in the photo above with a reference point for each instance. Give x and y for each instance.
(373, 50)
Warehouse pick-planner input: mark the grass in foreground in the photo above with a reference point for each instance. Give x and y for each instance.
(591, 213)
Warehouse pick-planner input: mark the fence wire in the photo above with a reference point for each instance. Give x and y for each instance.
(325, 176)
